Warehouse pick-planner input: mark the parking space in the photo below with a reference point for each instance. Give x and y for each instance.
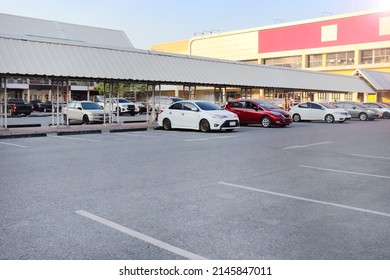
(307, 191)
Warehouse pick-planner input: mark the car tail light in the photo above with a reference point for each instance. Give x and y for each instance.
(14, 106)
(160, 111)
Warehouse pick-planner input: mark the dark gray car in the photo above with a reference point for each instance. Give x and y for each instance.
(357, 110)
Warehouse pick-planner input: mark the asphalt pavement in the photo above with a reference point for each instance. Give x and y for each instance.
(308, 191)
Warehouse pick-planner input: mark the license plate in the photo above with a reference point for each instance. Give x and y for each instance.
(232, 123)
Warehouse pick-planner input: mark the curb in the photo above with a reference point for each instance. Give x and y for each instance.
(25, 135)
(78, 132)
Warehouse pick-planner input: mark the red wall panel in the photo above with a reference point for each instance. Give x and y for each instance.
(351, 30)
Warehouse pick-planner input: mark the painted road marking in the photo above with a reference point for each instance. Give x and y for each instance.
(210, 138)
(307, 145)
(308, 199)
(346, 172)
(15, 145)
(75, 138)
(141, 236)
(367, 156)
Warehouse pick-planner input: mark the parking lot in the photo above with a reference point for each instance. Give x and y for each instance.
(308, 191)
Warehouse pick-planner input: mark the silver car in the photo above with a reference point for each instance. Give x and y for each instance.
(383, 109)
(357, 110)
(83, 111)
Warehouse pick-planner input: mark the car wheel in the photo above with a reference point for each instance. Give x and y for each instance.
(132, 113)
(85, 119)
(363, 117)
(266, 122)
(204, 126)
(329, 118)
(167, 124)
(296, 118)
(386, 115)
(9, 112)
(65, 118)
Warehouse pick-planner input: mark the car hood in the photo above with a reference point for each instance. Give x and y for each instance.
(279, 111)
(224, 113)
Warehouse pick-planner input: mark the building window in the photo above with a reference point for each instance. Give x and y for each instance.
(340, 59)
(375, 56)
(314, 60)
(382, 56)
(291, 61)
(335, 96)
(366, 57)
(348, 96)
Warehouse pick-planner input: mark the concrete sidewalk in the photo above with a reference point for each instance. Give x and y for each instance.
(42, 131)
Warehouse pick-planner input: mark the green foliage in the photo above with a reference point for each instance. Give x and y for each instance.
(126, 90)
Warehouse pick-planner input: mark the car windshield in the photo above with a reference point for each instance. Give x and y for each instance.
(90, 106)
(384, 105)
(267, 105)
(122, 100)
(359, 105)
(175, 99)
(328, 105)
(206, 106)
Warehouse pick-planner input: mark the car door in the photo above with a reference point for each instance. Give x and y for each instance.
(352, 109)
(253, 112)
(316, 111)
(238, 107)
(303, 110)
(189, 116)
(174, 114)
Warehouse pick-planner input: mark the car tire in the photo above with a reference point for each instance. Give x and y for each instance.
(363, 116)
(329, 118)
(296, 118)
(386, 115)
(85, 119)
(167, 124)
(204, 126)
(266, 122)
(9, 112)
(65, 118)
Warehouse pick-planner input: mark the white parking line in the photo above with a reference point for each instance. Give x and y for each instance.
(15, 145)
(367, 156)
(132, 134)
(308, 200)
(75, 138)
(307, 145)
(141, 236)
(346, 172)
(210, 138)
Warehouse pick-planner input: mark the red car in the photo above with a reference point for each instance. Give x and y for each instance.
(255, 111)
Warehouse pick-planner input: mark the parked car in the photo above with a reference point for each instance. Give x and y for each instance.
(141, 106)
(197, 115)
(382, 108)
(17, 106)
(84, 111)
(255, 111)
(357, 110)
(38, 105)
(161, 102)
(318, 111)
(121, 105)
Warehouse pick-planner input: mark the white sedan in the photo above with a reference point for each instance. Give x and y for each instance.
(315, 111)
(197, 115)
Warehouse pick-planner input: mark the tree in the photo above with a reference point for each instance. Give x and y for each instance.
(126, 90)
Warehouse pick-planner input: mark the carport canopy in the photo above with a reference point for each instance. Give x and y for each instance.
(29, 58)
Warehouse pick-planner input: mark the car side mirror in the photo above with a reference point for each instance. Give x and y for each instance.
(79, 108)
(194, 109)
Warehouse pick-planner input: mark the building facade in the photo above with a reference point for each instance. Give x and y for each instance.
(334, 44)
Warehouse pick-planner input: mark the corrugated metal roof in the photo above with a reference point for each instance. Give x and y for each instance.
(379, 80)
(54, 31)
(34, 58)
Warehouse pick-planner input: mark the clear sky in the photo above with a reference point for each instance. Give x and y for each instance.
(147, 22)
